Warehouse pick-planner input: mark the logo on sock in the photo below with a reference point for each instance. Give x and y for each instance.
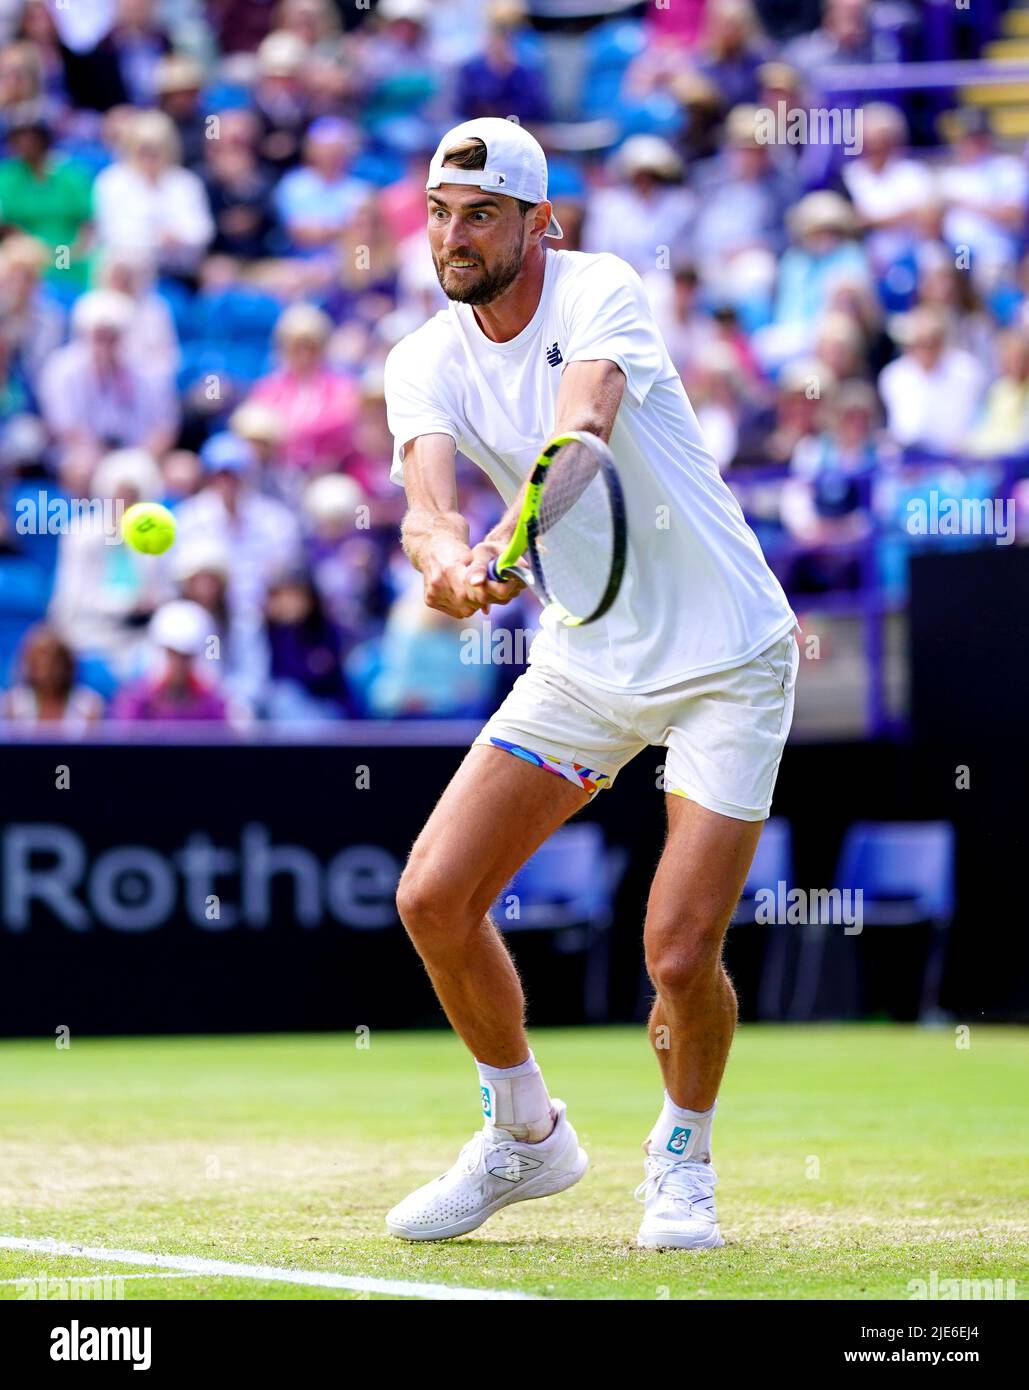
(487, 1101)
(680, 1138)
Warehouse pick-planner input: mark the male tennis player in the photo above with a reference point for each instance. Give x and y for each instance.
(697, 655)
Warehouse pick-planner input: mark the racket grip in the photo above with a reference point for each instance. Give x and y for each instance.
(501, 576)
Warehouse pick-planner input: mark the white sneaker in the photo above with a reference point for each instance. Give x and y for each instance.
(492, 1170)
(679, 1205)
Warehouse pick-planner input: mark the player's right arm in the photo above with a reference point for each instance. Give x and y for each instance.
(434, 534)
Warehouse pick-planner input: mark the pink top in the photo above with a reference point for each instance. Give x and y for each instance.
(153, 699)
(679, 23)
(318, 412)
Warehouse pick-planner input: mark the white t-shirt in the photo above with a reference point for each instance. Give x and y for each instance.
(996, 181)
(902, 185)
(936, 408)
(697, 595)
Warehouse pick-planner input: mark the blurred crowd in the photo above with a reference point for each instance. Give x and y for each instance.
(212, 232)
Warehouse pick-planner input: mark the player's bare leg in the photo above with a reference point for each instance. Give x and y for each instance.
(698, 882)
(494, 815)
(696, 888)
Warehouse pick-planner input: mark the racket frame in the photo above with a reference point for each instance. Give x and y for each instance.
(525, 533)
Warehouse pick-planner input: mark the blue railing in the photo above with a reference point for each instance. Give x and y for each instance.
(878, 593)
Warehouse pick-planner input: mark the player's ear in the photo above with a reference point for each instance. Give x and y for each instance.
(540, 219)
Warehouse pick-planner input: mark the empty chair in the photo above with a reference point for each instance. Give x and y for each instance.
(568, 886)
(905, 873)
(772, 865)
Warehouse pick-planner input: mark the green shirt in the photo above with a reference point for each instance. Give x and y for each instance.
(51, 208)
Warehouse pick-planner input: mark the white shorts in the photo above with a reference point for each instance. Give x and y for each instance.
(723, 733)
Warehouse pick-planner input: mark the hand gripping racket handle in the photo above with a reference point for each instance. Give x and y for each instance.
(498, 575)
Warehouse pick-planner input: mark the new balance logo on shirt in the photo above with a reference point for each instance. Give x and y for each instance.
(554, 355)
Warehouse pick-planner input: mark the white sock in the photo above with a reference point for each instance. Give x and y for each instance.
(681, 1133)
(515, 1100)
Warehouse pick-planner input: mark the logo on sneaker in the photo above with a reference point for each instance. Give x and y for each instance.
(680, 1138)
(516, 1166)
(554, 355)
(487, 1102)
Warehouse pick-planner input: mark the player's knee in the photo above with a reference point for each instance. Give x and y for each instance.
(686, 959)
(419, 901)
(428, 907)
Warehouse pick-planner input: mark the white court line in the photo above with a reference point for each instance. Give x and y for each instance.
(93, 1278)
(310, 1278)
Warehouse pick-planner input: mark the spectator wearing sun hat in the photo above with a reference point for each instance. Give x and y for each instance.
(181, 686)
(825, 252)
(103, 591)
(281, 99)
(200, 567)
(94, 396)
(261, 534)
(179, 80)
(646, 207)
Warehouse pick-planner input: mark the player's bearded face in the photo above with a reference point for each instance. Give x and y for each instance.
(491, 273)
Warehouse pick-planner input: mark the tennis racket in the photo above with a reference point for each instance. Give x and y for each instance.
(572, 528)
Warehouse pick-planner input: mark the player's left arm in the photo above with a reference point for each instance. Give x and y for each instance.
(587, 399)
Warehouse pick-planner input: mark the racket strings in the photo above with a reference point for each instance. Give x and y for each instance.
(575, 532)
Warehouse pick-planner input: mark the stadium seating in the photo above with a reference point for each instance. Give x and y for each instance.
(568, 888)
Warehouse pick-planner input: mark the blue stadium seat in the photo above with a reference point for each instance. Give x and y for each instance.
(383, 166)
(180, 303)
(610, 48)
(228, 333)
(773, 859)
(24, 595)
(905, 872)
(772, 865)
(237, 314)
(568, 887)
(904, 868)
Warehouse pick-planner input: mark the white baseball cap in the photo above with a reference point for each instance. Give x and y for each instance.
(515, 163)
(181, 626)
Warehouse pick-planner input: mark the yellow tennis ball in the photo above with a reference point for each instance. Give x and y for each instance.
(149, 527)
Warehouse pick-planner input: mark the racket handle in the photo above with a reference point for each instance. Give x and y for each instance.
(499, 576)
